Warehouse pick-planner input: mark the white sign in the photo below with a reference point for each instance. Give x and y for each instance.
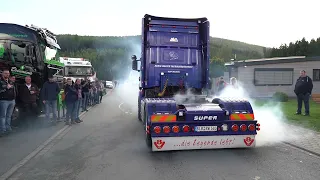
(174, 39)
(173, 66)
(205, 128)
(204, 118)
(202, 142)
(173, 71)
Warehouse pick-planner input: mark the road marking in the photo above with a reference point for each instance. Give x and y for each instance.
(44, 146)
(126, 112)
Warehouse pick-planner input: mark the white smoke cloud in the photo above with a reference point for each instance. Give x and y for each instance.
(273, 124)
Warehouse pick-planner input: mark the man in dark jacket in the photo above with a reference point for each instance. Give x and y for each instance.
(303, 90)
(7, 102)
(28, 94)
(85, 89)
(49, 95)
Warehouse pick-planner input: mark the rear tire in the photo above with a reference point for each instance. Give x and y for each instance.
(139, 110)
(148, 137)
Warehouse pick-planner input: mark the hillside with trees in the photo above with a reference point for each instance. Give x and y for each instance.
(110, 56)
(298, 48)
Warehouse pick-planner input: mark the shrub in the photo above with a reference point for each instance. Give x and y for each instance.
(280, 97)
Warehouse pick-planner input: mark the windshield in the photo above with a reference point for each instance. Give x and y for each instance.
(3, 51)
(50, 53)
(23, 52)
(78, 71)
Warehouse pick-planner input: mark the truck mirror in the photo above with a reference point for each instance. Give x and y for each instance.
(134, 58)
(135, 65)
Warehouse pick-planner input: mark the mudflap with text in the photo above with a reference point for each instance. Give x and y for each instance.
(202, 142)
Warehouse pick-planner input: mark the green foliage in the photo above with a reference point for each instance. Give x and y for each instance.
(299, 48)
(110, 56)
(217, 67)
(280, 97)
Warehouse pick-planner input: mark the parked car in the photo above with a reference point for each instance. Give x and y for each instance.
(109, 85)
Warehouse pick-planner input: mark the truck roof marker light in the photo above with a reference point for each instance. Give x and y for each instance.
(243, 127)
(166, 129)
(186, 128)
(251, 127)
(157, 129)
(235, 128)
(175, 129)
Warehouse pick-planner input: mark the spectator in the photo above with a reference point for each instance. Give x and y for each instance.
(85, 89)
(91, 95)
(28, 94)
(13, 81)
(98, 86)
(70, 100)
(234, 82)
(220, 85)
(7, 102)
(101, 91)
(303, 90)
(94, 93)
(78, 102)
(49, 96)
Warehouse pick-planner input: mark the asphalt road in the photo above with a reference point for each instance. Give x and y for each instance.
(110, 145)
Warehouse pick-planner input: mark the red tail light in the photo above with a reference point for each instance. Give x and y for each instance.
(157, 129)
(235, 127)
(243, 127)
(251, 127)
(175, 129)
(166, 129)
(186, 128)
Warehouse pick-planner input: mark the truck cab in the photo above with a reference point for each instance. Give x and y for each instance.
(77, 68)
(175, 56)
(29, 51)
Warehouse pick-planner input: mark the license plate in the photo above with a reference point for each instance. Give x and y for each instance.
(205, 128)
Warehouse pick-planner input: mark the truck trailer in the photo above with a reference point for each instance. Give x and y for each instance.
(175, 61)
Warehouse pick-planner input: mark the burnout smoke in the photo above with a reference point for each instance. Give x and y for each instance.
(273, 126)
(128, 87)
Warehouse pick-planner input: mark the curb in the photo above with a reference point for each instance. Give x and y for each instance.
(299, 147)
(21, 163)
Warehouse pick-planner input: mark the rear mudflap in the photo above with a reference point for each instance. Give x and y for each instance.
(202, 142)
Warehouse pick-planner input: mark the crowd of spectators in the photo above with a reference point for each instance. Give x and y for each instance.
(70, 98)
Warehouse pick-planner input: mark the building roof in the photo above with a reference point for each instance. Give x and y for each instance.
(277, 60)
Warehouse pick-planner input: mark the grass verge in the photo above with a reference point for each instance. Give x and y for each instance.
(289, 109)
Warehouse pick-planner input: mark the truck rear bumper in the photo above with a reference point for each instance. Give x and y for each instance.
(202, 142)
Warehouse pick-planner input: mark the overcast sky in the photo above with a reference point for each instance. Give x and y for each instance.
(267, 23)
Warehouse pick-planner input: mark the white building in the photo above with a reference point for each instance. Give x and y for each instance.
(264, 77)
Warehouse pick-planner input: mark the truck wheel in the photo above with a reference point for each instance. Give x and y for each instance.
(147, 136)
